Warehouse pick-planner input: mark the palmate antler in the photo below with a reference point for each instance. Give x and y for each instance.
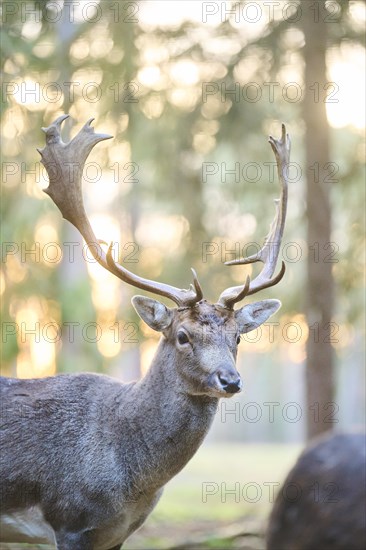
(268, 254)
(64, 163)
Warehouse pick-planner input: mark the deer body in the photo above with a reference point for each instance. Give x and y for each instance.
(83, 426)
(84, 457)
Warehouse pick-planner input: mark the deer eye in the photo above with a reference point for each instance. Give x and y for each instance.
(182, 337)
(238, 340)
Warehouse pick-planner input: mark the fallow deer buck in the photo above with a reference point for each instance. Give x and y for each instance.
(84, 458)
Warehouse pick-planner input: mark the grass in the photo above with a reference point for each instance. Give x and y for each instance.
(225, 482)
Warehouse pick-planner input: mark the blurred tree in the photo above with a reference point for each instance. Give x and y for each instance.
(320, 283)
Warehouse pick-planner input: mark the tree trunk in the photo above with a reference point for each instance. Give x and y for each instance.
(319, 298)
(72, 272)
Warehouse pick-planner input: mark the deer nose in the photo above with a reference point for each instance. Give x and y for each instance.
(231, 384)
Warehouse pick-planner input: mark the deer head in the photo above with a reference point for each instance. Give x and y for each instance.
(201, 338)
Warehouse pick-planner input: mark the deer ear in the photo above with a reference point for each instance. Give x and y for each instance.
(154, 313)
(252, 316)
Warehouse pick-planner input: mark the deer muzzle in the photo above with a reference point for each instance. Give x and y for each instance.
(229, 380)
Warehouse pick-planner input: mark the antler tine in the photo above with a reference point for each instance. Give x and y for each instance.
(269, 253)
(64, 163)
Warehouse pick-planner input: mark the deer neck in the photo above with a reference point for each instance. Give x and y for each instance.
(170, 423)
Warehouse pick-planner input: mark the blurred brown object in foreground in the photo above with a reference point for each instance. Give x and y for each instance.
(322, 503)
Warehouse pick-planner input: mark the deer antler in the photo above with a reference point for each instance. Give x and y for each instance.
(268, 254)
(64, 163)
